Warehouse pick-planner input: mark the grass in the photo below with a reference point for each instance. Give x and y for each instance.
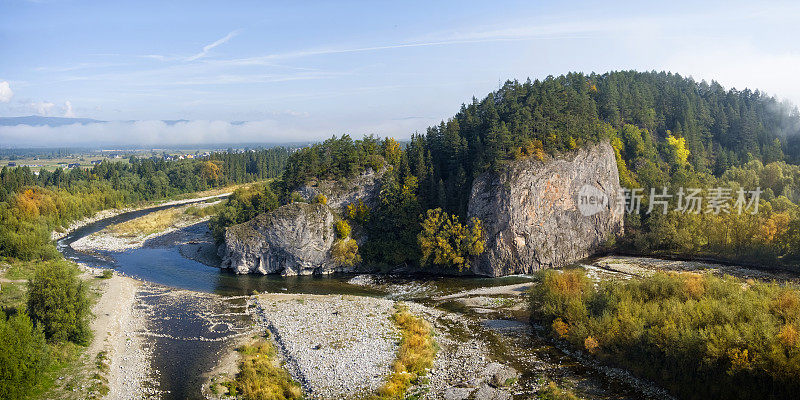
(12, 294)
(201, 212)
(98, 386)
(260, 376)
(414, 358)
(19, 270)
(148, 224)
(64, 376)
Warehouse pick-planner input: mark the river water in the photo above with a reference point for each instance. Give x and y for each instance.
(194, 310)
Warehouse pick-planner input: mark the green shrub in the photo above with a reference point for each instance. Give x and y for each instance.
(320, 199)
(23, 357)
(296, 198)
(58, 303)
(107, 274)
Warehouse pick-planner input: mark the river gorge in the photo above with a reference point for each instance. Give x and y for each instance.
(193, 315)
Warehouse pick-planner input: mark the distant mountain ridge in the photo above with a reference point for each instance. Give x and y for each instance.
(37, 120)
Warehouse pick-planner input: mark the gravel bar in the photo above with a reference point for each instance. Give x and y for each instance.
(337, 347)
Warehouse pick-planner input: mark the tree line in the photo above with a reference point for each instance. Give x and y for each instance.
(34, 204)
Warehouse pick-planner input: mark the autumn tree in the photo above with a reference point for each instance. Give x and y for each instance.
(444, 241)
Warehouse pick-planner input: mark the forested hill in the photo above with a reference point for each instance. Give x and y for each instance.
(721, 128)
(667, 130)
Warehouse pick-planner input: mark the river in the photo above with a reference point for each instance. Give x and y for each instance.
(195, 310)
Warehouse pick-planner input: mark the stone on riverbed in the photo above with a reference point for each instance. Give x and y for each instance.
(500, 375)
(458, 393)
(337, 347)
(487, 392)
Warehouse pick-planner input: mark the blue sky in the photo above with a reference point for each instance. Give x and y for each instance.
(306, 70)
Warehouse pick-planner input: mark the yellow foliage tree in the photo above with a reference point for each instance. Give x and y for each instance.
(678, 146)
(445, 241)
(391, 151)
(210, 172)
(358, 212)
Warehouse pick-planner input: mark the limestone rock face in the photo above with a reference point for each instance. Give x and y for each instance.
(295, 239)
(546, 214)
(365, 186)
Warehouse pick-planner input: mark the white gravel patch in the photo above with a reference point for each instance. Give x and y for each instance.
(118, 329)
(337, 347)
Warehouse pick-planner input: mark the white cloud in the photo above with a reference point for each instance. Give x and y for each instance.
(148, 133)
(5, 92)
(151, 133)
(41, 107)
(68, 109)
(209, 47)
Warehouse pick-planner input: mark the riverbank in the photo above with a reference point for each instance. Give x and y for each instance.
(151, 230)
(103, 214)
(646, 266)
(118, 327)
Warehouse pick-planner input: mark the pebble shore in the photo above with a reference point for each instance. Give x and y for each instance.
(337, 347)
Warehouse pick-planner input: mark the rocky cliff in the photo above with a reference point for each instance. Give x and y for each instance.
(536, 214)
(546, 214)
(295, 239)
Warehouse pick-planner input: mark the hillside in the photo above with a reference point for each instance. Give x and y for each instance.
(666, 130)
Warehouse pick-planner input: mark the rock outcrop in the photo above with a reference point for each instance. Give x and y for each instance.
(365, 186)
(546, 214)
(295, 239)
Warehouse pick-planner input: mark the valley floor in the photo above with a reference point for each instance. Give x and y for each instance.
(342, 346)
